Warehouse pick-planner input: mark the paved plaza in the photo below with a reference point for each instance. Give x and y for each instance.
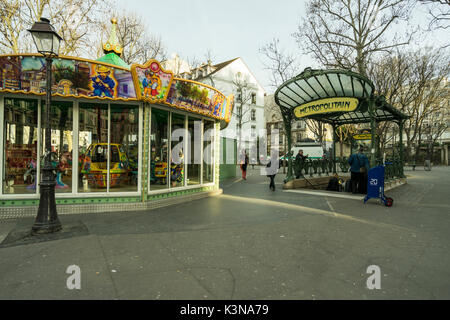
(248, 243)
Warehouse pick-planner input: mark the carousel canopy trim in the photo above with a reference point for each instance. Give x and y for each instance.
(323, 95)
(83, 78)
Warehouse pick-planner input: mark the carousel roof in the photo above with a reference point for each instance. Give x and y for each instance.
(113, 49)
(113, 59)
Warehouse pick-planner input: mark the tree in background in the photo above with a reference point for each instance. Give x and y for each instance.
(389, 74)
(439, 11)
(439, 15)
(344, 134)
(81, 24)
(138, 43)
(243, 95)
(415, 83)
(346, 34)
(282, 66)
(74, 20)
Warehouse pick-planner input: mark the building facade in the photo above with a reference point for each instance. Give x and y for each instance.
(233, 77)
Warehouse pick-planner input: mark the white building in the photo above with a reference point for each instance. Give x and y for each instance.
(223, 76)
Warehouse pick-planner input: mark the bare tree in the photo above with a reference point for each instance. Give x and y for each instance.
(438, 123)
(281, 65)
(344, 134)
(390, 75)
(424, 93)
(74, 20)
(243, 94)
(345, 34)
(439, 11)
(138, 44)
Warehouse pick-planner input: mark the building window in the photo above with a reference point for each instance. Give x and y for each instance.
(253, 98)
(253, 115)
(253, 132)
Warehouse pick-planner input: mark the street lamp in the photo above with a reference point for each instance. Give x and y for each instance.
(47, 43)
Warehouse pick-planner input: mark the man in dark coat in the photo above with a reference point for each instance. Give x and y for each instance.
(300, 158)
(359, 166)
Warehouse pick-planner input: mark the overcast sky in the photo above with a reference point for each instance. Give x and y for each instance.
(230, 29)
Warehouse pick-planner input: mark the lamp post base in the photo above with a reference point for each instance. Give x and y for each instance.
(47, 218)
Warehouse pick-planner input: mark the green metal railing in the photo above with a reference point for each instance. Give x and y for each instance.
(320, 167)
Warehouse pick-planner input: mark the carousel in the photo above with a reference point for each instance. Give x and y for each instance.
(115, 129)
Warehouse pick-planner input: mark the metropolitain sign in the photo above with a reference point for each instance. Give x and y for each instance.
(326, 106)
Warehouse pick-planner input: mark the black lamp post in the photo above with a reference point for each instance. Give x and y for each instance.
(47, 42)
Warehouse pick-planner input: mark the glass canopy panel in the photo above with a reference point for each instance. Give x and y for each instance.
(283, 104)
(298, 93)
(308, 93)
(293, 95)
(336, 85)
(359, 91)
(286, 100)
(326, 85)
(316, 86)
(347, 84)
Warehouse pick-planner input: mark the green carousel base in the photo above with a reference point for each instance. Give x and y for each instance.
(12, 209)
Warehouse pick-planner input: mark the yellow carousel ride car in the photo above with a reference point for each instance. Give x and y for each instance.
(95, 165)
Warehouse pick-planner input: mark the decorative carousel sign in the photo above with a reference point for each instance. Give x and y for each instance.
(152, 82)
(82, 78)
(326, 106)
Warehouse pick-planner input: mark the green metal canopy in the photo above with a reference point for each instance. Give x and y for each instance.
(336, 97)
(314, 85)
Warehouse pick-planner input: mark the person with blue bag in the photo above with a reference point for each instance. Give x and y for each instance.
(359, 165)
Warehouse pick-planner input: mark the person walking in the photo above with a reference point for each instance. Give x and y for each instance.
(359, 164)
(244, 164)
(300, 158)
(271, 173)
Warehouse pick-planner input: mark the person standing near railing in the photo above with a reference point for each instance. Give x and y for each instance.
(300, 158)
(359, 165)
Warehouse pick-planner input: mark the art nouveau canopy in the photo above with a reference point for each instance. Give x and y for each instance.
(333, 96)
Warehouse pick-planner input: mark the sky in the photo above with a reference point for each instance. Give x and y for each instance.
(230, 29)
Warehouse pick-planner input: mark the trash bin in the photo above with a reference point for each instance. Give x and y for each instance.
(375, 185)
